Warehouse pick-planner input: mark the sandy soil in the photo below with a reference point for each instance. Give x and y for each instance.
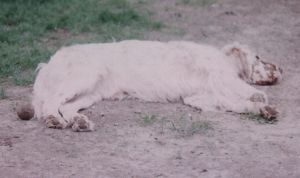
(127, 144)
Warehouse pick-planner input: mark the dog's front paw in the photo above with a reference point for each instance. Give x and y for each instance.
(269, 112)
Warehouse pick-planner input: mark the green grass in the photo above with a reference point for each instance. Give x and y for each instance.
(149, 119)
(183, 126)
(187, 126)
(2, 93)
(30, 29)
(199, 2)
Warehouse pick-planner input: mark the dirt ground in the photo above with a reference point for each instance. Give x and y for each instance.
(128, 142)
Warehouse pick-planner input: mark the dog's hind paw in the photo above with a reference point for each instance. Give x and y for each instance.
(82, 124)
(55, 123)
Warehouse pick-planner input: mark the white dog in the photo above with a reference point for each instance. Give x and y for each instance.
(200, 76)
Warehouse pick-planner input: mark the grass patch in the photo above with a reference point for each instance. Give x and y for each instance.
(149, 119)
(26, 27)
(183, 126)
(258, 118)
(2, 93)
(23, 78)
(199, 2)
(186, 126)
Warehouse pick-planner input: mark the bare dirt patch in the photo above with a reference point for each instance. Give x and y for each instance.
(138, 139)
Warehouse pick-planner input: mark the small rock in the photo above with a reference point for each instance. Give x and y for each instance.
(230, 13)
(204, 170)
(25, 112)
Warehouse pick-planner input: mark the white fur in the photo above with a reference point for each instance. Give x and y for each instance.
(202, 76)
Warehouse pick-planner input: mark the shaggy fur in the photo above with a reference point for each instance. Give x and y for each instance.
(201, 76)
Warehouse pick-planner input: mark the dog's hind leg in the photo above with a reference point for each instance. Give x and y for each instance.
(69, 111)
(82, 97)
(50, 114)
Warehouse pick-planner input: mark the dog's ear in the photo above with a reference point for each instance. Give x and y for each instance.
(240, 56)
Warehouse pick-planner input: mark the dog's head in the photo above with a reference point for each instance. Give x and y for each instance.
(251, 67)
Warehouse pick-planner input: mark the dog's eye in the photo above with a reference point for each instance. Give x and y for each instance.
(257, 57)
